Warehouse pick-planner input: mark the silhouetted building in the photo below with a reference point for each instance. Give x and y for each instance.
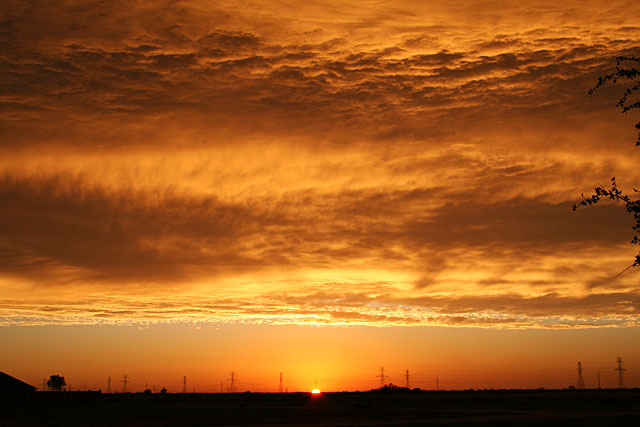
(9, 384)
(14, 390)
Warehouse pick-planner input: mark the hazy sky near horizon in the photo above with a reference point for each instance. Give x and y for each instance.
(273, 162)
(340, 358)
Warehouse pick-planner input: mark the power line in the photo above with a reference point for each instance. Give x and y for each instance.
(620, 371)
(554, 377)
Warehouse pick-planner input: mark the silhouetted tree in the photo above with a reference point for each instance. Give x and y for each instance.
(56, 382)
(627, 103)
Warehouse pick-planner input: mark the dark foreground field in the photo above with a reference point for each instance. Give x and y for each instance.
(468, 408)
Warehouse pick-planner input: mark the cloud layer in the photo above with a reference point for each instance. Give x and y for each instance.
(372, 164)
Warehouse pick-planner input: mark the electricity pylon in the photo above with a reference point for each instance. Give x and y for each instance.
(580, 384)
(620, 370)
(382, 376)
(232, 386)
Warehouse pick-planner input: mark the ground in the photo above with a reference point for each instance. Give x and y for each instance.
(462, 408)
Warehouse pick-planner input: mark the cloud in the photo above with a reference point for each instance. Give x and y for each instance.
(412, 159)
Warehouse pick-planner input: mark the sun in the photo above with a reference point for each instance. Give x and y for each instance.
(315, 391)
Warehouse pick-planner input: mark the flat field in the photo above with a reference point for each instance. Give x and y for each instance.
(451, 408)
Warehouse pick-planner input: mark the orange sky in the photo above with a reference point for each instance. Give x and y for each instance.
(340, 358)
(369, 171)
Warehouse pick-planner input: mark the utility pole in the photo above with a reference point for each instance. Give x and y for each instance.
(580, 384)
(382, 376)
(599, 380)
(124, 384)
(221, 387)
(620, 370)
(280, 388)
(406, 377)
(108, 384)
(44, 384)
(184, 384)
(437, 384)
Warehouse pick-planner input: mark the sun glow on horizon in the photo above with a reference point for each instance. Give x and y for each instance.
(315, 391)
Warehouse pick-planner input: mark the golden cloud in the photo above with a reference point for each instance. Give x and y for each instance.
(336, 164)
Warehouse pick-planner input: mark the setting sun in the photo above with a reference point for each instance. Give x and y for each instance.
(315, 391)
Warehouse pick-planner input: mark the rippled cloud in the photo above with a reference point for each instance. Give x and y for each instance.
(325, 163)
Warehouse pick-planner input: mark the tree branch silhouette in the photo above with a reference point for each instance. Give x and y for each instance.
(626, 103)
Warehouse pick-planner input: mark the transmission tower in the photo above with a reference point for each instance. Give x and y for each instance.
(437, 384)
(184, 384)
(109, 385)
(580, 384)
(382, 376)
(620, 371)
(232, 386)
(280, 388)
(124, 384)
(599, 379)
(44, 384)
(406, 377)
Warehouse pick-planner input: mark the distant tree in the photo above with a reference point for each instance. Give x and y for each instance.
(56, 382)
(627, 102)
(163, 391)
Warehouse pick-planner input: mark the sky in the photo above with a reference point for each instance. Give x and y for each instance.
(314, 187)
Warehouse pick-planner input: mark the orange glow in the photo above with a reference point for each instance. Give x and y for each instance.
(387, 179)
(315, 391)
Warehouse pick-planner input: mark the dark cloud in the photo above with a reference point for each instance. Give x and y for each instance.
(123, 237)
